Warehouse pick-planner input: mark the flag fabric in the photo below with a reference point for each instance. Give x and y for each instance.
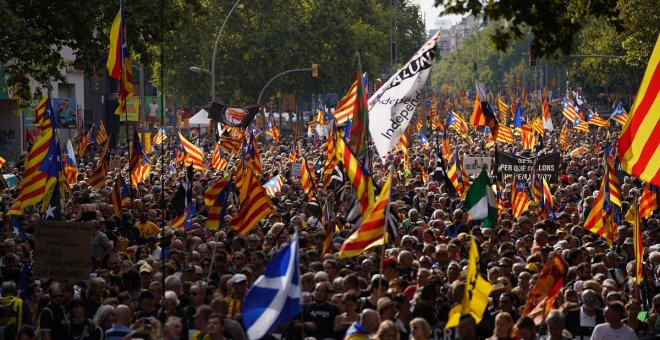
(346, 105)
(276, 296)
(272, 130)
(293, 157)
(357, 140)
(52, 166)
(423, 141)
(580, 124)
(528, 139)
(159, 137)
(330, 160)
(546, 204)
(563, 138)
(518, 120)
(504, 134)
(229, 144)
(480, 201)
(372, 231)
(503, 108)
(446, 147)
(619, 114)
(599, 220)
(70, 168)
(457, 124)
(328, 227)
(648, 202)
(218, 159)
(519, 199)
(594, 119)
(274, 185)
(101, 134)
(254, 203)
(194, 155)
(2, 162)
(215, 199)
(17, 228)
(545, 112)
(140, 166)
(475, 295)
(639, 149)
(613, 179)
(638, 243)
(119, 63)
(440, 175)
(119, 192)
(359, 176)
(579, 151)
(392, 106)
(42, 115)
(537, 126)
(544, 292)
(183, 221)
(84, 141)
(252, 157)
(569, 111)
(482, 114)
(403, 145)
(307, 179)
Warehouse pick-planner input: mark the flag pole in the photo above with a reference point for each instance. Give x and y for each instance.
(162, 143)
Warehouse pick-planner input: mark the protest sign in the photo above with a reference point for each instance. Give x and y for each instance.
(63, 250)
(509, 165)
(473, 165)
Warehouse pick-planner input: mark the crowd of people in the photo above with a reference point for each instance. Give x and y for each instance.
(149, 280)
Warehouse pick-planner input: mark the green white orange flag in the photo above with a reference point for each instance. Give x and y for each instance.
(639, 143)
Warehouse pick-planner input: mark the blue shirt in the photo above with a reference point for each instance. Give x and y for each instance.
(117, 332)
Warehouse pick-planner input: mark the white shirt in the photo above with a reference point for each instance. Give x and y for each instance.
(605, 332)
(586, 320)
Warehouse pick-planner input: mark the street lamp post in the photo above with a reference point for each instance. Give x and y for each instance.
(261, 94)
(196, 69)
(215, 50)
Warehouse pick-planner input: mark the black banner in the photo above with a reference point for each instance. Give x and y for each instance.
(233, 116)
(509, 165)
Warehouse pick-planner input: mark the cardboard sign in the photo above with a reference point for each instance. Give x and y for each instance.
(473, 165)
(132, 113)
(513, 165)
(296, 169)
(63, 250)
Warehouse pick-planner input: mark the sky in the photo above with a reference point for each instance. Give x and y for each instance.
(432, 13)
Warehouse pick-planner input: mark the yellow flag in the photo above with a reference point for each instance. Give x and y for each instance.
(477, 290)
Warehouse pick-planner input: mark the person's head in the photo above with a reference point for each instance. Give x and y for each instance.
(420, 329)
(369, 320)
(9, 288)
(387, 331)
(614, 312)
(467, 327)
(503, 325)
(555, 323)
(526, 328)
(173, 328)
(56, 293)
(590, 299)
(123, 313)
(197, 295)
(321, 291)
(633, 307)
(105, 316)
(201, 317)
(215, 325)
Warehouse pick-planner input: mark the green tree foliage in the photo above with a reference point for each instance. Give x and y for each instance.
(36, 31)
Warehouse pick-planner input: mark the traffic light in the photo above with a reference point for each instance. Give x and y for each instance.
(315, 70)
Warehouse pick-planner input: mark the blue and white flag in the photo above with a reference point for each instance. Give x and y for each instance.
(276, 296)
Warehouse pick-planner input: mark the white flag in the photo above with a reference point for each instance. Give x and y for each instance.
(393, 106)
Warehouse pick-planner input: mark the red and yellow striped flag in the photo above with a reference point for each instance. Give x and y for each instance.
(214, 202)
(194, 155)
(330, 161)
(307, 179)
(119, 63)
(328, 227)
(537, 126)
(372, 231)
(254, 204)
(230, 144)
(638, 243)
(41, 119)
(102, 134)
(648, 202)
(639, 143)
(218, 159)
(504, 134)
(504, 109)
(403, 144)
(360, 178)
(528, 139)
(519, 199)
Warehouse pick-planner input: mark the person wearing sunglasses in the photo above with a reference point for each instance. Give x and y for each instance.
(53, 319)
(581, 321)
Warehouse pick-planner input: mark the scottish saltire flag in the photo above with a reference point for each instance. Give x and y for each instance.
(276, 296)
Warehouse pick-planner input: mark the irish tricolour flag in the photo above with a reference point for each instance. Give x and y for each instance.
(480, 201)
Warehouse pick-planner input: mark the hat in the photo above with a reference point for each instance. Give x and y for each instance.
(321, 276)
(146, 268)
(384, 302)
(189, 268)
(629, 241)
(167, 231)
(146, 295)
(389, 262)
(239, 278)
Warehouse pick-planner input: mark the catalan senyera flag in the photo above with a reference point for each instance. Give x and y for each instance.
(230, 144)
(359, 176)
(346, 105)
(639, 144)
(436, 124)
(293, 157)
(358, 136)
(403, 144)
(254, 204)
(194, 155)
(477, 290)
(101, 134)
(599, 220)
(594, 119)
(563, 138)
(519, 199)
(330, 160)
(307, 179)
(503, 108)
(218, 159)
(542, 296)
(528, 139)
(119, 63)
(215, 199)
(372, 231)
(119, 195)
(98, 177)
(537, 126)
(504, 134)
(140, 166)
(84, 141)
(613, 180)
(648, 202)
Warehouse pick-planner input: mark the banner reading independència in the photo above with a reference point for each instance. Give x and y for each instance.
(509, 165)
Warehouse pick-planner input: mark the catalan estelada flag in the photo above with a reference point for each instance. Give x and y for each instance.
(119, 62)
(359, 176)
(528, 139)
(159, 137)
(372, 231)
(41, 117)
(619, 115)
(519, 199)
(140, 166)
(183, 220)
(639, 143)
(569, 111)
(594, 119)
(215, 199)
(272, 129)
(119, 196)
(274, 185)
(194, 155)
(254, 203)
(599, 220)
(230, 144)
(218, 159)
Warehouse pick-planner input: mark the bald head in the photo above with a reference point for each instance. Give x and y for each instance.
(123, 315)
(369, 320)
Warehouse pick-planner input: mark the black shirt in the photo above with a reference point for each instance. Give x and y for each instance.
(54, 318)
(323, 315)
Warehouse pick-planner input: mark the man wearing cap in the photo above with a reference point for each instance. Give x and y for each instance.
(146, 273)
(387, 310)
(235, 302)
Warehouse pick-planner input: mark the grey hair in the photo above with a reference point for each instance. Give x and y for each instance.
(555, 316)
(102, 314)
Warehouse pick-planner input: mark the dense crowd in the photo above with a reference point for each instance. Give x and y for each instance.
(151, 281)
